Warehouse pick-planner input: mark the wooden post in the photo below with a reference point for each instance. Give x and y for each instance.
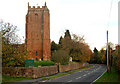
(110, 60)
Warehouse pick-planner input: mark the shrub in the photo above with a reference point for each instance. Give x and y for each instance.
(43, 63)
(61, 57)
(116, 57)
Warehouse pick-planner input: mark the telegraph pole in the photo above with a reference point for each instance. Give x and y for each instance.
(107, 54)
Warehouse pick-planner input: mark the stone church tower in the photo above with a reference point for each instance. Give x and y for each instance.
(38, 33)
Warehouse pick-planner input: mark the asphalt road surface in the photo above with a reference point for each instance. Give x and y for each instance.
(87, 76)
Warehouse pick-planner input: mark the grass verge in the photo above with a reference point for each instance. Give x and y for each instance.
(65, 73)
(108, 77)
(6, 79)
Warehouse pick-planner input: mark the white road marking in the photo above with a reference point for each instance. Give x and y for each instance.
(43, 81)
(84, 75)
(78, 78)
(99, 77)
(70, 81)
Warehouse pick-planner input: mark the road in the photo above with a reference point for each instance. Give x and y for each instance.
(87, 76)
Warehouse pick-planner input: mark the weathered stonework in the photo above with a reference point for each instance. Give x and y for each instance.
(36, 72)
(38, 33)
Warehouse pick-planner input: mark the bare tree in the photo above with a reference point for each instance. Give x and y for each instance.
(12, 52)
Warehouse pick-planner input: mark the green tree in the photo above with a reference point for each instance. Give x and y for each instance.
(103, 58)
(60, 45)
(60, 40)
(67, 34)
(116, 57)
(54, 46)
(11, 56)
(61, 57)
(80, 50)
(95, 55)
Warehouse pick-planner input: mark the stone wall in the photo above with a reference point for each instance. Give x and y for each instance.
(44, 71)
(18, 71)
(72, 66)
(36, 72)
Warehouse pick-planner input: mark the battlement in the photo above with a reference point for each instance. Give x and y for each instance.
(38, 7)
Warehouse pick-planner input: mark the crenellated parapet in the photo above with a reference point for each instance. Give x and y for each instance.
(38, 8)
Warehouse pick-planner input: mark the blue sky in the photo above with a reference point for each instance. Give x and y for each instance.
(82, 17)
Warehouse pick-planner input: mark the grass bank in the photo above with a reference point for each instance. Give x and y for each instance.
(65, 73)
(108, 77)
(6, 79)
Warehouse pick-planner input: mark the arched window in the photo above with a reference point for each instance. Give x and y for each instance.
(36, 16)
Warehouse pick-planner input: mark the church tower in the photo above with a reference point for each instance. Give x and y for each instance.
(38, 33)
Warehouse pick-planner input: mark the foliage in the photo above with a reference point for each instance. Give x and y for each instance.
(98, 56)
(61, 57)
(116, 57)
(12, 53)
(60, 45)
(8, 32)
(43, 63)
(76, 48)
(54, 46)
(67, 34)
(95, 55)
(12, 57)
(101, 56)
(80, 51)
(60, 40)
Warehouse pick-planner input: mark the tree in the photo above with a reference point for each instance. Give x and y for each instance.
(61, 57)
(95, 55)
(116, 57)
(11, 55)
(60, 40)
(67, 34)
(54, 46)
(111, 45)
(76, 47)
(79, 50)
(103, 58)
(60, 45)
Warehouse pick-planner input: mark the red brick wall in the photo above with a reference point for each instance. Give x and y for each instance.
(38, 33)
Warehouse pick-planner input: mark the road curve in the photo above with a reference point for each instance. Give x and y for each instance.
(87, 76)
